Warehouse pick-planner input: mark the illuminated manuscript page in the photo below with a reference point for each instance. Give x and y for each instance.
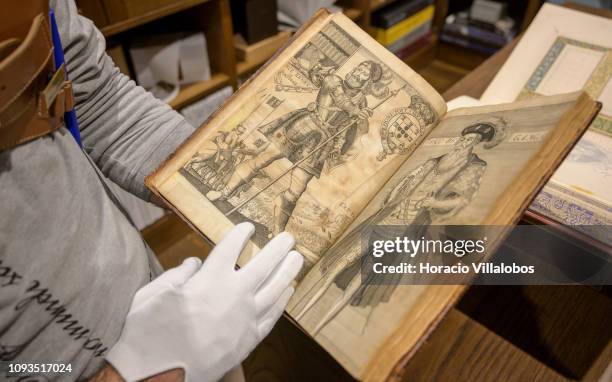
(562, 51)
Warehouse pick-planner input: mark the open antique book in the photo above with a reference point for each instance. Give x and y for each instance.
(335, 133)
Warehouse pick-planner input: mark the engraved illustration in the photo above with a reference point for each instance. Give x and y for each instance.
(308, 125)
(402, 127)
(431, 193)
(322, 133)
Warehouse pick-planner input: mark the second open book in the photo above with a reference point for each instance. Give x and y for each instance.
(336, 133)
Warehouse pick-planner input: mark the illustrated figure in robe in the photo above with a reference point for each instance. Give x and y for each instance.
(434, 191)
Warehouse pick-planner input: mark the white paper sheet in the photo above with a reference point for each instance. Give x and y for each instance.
(199, 111)
(295, 13)
(164, 62)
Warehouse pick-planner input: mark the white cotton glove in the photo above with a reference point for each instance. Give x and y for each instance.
(207, 319)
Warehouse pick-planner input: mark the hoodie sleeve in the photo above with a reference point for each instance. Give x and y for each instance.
(126, 131)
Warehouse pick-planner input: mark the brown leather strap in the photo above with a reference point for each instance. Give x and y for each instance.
(17, 15)
(8, 46)
(32, 99)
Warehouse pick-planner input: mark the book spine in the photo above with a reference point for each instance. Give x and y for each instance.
(387, 17)
(416, 45)
(477, 33)
(389, 36)
(472, 45)
(471, 40)
(417, 33)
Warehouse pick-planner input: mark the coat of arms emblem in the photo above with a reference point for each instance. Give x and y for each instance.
(399, 132)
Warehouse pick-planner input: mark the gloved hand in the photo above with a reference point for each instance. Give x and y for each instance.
(207, 319)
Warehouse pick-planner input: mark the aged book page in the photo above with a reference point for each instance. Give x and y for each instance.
(565, 50)
(306, 143)
(480, 165)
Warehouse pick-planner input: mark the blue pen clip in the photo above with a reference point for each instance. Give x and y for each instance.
(70, 117)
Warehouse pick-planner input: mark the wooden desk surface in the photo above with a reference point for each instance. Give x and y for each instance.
(476, 82)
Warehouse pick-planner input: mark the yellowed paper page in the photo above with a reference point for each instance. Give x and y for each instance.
(459, 175)
(307, 143)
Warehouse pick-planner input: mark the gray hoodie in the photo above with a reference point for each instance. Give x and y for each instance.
(70, 260)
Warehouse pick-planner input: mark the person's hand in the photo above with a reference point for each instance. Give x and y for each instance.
(207, 319)
(365, 113)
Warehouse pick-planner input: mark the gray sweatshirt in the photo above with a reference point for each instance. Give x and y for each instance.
(70, 260)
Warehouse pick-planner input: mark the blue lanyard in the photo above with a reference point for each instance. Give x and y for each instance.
(70, 118)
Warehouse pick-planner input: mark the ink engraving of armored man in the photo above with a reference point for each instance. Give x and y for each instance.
(304, 136)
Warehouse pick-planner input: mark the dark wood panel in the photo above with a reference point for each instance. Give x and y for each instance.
(459, 56)
(288, 354)
(476, 82)
(173, 241)
(441, 75)
(565, 327)
(461, 349)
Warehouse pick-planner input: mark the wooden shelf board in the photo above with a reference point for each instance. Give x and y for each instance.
(195, 91)
(352, 13)
(260, 52)
(460, 56)
(423, 55)
(243, 67)
(377, 4)
(463, 349)
(124, 25)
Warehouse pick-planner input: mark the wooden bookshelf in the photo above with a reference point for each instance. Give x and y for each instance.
(193, 92)
(377, 4)
(422, 56)
(353, 13)
(244, 67)
(135, 21)
(213, 17)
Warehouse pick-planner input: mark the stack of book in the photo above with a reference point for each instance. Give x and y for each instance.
(488, 38)
(404, 25)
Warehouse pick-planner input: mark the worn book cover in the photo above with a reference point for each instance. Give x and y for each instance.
(335, 134)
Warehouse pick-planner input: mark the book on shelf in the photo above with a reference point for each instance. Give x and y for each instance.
(413, 47)
(411, 38)
(459, 29)
(336, 134)
(567, 50)
(396, 12)
(467, 43)
(476, 32)
(390, 35)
